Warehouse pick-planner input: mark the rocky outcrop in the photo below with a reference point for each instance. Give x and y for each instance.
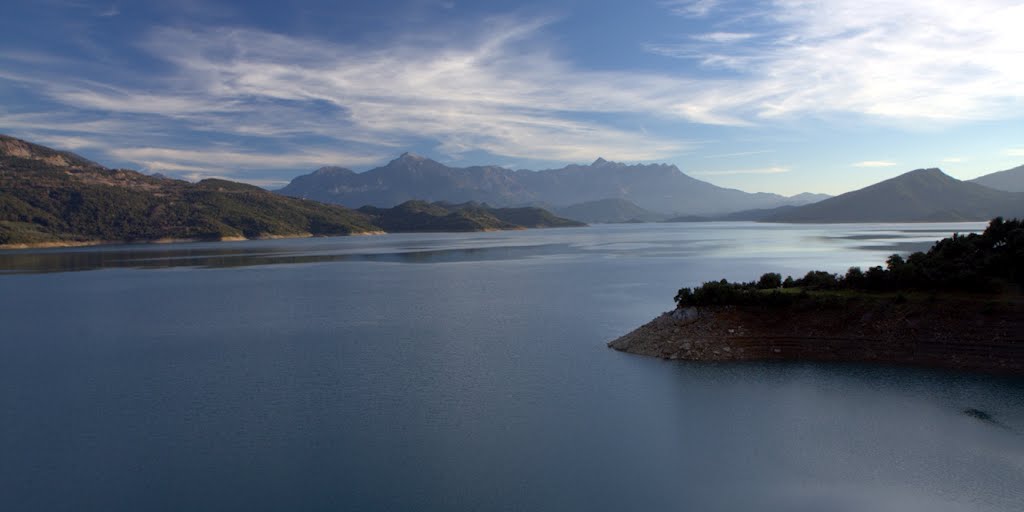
(959, 333)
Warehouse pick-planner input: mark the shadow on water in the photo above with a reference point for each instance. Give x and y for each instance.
(157, 258)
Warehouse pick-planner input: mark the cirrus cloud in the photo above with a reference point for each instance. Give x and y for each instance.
(501, 88)
(730, 172)
(938, 60)
(874, 163)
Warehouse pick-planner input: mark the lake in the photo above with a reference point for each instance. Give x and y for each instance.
(465, 372)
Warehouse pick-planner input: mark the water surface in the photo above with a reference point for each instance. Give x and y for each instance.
(469, 371)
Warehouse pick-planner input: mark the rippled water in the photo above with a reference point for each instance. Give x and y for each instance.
(440, 372)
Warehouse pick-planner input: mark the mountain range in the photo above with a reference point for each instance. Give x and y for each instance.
(659, 188)
(55, 197)
(1010, 180)
(923, 195)
(59, 198)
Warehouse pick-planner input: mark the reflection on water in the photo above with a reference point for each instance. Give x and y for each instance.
(901, 240)
(648, 240)
(69, 261)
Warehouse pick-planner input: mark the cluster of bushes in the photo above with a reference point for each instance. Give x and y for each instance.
(716, 293)
(973, 263)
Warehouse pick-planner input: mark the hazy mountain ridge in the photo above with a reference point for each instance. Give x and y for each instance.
(1010, 180)
(923, 195)
(807, 198)
(659, 188)
(606, 211)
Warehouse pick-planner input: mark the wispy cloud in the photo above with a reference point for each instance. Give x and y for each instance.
(115, 100)
(67, 142)
(220, 160)
(489, 95)
(691, 8)
(499, 88)
(874, 163)
(58, 127)
(728, 172)
(916, 60)
(740, 153)
(723, 37)
(953, 160)
(1015, 152)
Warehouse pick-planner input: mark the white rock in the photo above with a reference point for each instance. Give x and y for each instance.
(686, 315)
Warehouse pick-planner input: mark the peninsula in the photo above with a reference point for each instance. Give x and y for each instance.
(957, 306)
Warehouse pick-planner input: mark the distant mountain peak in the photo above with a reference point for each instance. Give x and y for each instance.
(410, 159)
(410, 156)
(601, 162)
(931, 174)
(652, 187)
(933, 171)
(333, 171)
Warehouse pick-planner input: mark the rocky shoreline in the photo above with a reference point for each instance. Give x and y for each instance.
(962, 333)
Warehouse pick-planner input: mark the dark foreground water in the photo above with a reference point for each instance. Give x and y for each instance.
(464, 372)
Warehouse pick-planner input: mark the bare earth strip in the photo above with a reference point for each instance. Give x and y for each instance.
(970, 333)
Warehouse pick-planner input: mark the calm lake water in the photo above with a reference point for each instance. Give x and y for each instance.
(465, 372)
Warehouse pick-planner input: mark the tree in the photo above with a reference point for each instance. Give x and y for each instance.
(769, 281)
(854, 278)
(819, 280)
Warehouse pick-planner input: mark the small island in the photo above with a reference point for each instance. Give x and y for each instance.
(957, 306)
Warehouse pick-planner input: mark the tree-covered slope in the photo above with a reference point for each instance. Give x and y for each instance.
(55, 197)
(51, 206)
(610, 210)
(424, 216)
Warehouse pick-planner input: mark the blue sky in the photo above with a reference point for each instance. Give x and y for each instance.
(786, 96)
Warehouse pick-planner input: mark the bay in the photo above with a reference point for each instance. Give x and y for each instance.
(465, 371)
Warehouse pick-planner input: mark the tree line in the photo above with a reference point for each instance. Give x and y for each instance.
(979, 263)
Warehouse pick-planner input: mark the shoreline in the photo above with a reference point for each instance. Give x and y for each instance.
(159, 241)
(162, 241)
(953, 333)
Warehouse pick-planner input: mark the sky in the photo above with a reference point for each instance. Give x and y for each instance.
(785, 96)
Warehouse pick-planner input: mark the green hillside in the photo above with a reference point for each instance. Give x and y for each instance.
(610, 210)
(53, 197)
(423, 216)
